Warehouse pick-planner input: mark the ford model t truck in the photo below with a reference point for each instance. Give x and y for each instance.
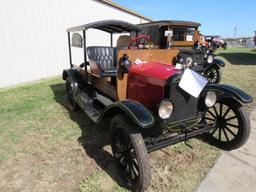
(147, 103)
(184, 37)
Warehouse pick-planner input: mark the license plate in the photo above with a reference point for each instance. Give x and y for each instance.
(192, 82)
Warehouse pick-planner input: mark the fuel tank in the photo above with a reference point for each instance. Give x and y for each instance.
(146, 82)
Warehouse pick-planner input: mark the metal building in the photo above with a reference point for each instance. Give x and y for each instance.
(34, 39)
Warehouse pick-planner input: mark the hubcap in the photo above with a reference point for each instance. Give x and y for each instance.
(220, 122)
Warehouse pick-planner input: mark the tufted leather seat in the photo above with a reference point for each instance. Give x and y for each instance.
(105, 58)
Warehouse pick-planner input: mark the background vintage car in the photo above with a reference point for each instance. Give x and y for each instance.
(183, 36)
(185, 33)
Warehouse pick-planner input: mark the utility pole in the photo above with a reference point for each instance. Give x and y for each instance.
(254, 38)
(235, 30)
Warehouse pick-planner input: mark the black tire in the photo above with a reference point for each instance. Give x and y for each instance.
(130, 153)
(213, 74)
(72, 105)
(232, 124)
(215, 47)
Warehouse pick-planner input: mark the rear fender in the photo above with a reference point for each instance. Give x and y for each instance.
(228, 91)
(134, 110)
(73, 76)
(71, 73)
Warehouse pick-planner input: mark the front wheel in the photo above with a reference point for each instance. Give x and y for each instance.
(130, 153)
(213, 74)
(231, 124)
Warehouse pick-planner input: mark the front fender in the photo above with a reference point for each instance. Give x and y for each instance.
(216, 62)
(219, 62)
(137, 113)
(226, 91)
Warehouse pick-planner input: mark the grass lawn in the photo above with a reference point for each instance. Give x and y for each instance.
(44, 147)
(240, 70)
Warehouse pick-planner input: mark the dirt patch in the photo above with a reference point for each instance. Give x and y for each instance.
(180, 168)
(66, 165)
(175, 168)
(60, 169)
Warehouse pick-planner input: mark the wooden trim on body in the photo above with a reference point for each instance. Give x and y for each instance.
(164, 56)
(94, 68)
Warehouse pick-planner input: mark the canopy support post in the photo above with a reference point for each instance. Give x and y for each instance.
(69, 50)
(85, 58)
(111, 39)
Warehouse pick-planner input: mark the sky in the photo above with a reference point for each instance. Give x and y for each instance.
(218, 17)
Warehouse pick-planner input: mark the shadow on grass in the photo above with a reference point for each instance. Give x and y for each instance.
(93, 137)
(239, 58)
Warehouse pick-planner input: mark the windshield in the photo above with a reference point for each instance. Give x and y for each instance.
(183, 34)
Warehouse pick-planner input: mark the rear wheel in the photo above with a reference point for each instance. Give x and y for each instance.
(130, 153)
(72, 105)
(231, 122)
(213, 74)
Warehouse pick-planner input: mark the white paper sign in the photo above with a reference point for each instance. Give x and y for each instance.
(189, 38)
(192, 82)
(168, 33)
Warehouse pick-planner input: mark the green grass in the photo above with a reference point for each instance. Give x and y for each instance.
(30, 116)
(240, 70)
(33, 118)
(254, 50)
(99, 182)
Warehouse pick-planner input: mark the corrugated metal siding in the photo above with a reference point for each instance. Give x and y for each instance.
(33, 35)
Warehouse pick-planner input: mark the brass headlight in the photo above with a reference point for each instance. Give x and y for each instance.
(210, 99)
(189, 61)
(210, 59)
(126, 64)
(165, 109)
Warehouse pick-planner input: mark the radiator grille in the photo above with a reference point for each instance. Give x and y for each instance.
(198, 57)
(185, 105)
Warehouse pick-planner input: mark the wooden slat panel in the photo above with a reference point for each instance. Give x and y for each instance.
(159, 55)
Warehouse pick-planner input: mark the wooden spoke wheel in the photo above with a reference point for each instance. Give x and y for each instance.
(231, 122)
(213, 74)
(130, 153)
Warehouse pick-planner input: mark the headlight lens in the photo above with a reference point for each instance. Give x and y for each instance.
(165, 109)
(210, 59)
(127, 64)
(181, 60)
(189, 61)
(210, 99)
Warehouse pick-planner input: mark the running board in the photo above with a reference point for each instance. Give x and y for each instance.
(88, 104)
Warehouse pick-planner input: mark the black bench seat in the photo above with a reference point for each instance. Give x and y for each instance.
(105, 58)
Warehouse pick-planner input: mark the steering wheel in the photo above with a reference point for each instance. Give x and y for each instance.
(139, 42)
